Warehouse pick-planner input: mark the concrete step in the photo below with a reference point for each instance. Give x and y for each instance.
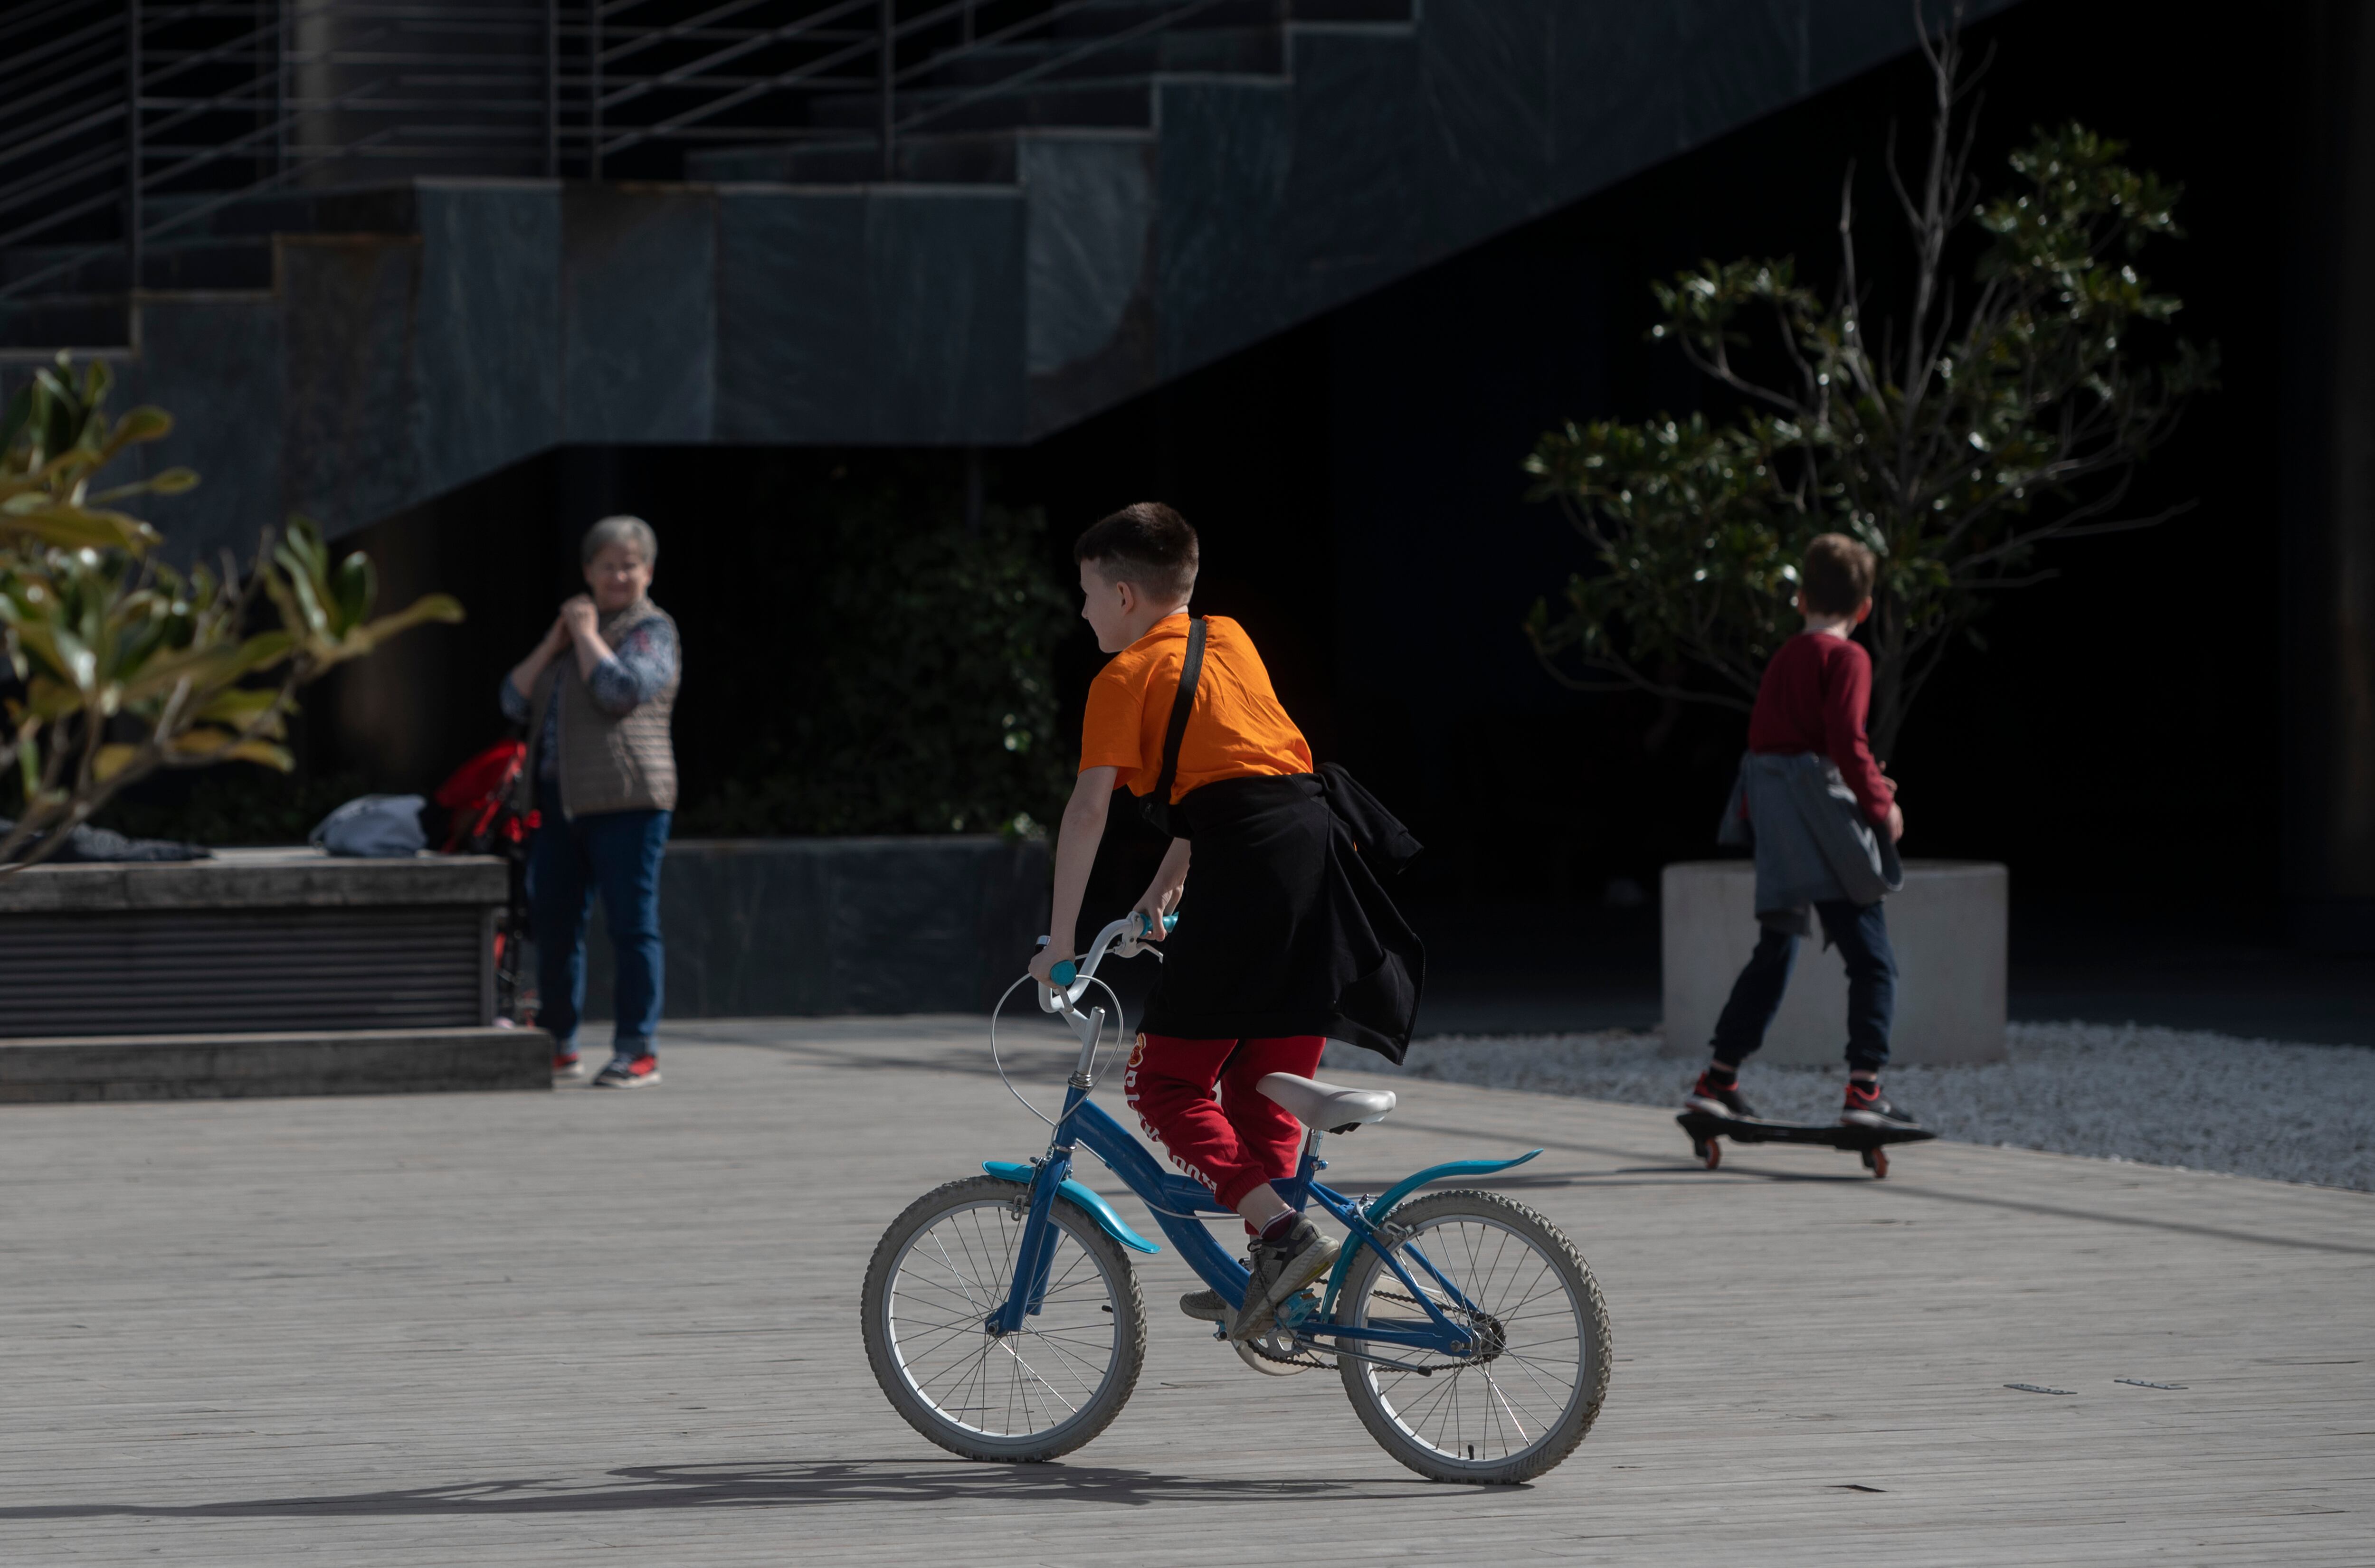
(242, 262)
(245, 1067)
(1128, 102)
(965, 157)
(380, 207)
(977, 157)
(1118, 15)
(1259, 51)
(71, 321)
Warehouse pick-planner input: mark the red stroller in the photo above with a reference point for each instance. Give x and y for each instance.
(480, 821)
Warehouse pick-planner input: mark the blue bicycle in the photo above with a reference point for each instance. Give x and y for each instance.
(1003, 1319)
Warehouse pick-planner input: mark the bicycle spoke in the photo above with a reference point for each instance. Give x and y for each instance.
(1511, 1301)
(1527, 1366)
(1033, 1374)
(954, 1273)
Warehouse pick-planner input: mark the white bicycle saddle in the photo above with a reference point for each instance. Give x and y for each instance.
(1317, 1105)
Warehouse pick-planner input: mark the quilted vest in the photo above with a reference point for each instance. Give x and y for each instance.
(609, 764)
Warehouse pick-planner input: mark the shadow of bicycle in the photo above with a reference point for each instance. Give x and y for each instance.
(857, 1482)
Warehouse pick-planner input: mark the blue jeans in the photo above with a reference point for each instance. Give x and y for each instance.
(618, 855)
(1862, 936)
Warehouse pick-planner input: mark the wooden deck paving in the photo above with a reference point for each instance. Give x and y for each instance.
(511, 1328)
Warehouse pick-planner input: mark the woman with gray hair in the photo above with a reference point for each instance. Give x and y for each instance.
(596, 695)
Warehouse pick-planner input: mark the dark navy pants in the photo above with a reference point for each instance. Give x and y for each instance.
(615, 853)
(1862, 936)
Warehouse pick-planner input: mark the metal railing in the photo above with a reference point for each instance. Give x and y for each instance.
(128, 123)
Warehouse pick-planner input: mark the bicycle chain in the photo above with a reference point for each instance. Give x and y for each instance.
(1312, 1358)
(1307, 1358)
(1395, 1235)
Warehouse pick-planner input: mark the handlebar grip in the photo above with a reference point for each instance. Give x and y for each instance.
(1066, 971)
(1171, 922)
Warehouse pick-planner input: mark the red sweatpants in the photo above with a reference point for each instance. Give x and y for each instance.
(1236, 1142)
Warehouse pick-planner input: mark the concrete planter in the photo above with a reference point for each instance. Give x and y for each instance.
(769, 928)
(1947, 926)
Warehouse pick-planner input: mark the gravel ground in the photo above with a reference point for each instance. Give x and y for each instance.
(2127, 1092)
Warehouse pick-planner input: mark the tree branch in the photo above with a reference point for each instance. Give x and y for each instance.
(1628, 679)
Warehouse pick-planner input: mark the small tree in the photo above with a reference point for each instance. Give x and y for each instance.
(127, 665)
(1953, 441)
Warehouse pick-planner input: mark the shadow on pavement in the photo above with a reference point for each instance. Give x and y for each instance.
(857, 1481)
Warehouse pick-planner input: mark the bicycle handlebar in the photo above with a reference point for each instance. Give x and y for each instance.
(1124, 938)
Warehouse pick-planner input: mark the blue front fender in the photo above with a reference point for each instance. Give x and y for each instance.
(1099, 1210)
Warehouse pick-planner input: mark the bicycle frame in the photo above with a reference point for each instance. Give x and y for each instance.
(1177, 1205)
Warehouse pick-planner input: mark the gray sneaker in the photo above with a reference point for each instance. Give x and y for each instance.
(1279, 1272)
(1206, 1305)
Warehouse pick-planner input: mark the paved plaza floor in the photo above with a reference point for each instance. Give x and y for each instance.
(595, 1328)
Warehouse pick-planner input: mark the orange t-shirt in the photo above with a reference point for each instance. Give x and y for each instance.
(1237, 729)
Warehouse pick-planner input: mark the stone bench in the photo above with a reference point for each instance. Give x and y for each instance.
(258, 972)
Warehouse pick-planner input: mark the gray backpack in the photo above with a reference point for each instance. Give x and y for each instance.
(376, 826)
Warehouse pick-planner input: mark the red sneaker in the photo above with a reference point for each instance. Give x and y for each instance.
(642, 1072)
(567, 1064)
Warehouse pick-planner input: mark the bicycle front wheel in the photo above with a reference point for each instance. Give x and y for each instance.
(944, 1265)
(1522, 1401)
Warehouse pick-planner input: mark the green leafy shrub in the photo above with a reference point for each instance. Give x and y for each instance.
(914, 692)
(238, 804)
(127, 666)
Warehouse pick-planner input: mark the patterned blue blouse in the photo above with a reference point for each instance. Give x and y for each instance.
(637, 671)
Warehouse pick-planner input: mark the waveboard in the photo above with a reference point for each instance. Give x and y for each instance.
(1705, 1127)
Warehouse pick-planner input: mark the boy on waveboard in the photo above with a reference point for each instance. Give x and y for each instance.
(1824, 822)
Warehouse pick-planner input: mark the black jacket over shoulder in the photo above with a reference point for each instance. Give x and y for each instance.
(1284, 928)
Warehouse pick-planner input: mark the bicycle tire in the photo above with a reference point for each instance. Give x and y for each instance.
(993, 1393)
(1423, 1420)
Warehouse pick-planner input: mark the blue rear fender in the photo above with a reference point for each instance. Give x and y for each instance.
(1099, 1210)
(1383, 1207)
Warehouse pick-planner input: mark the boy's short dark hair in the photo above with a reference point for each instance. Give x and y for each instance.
(1146, 543)
(1838, 574)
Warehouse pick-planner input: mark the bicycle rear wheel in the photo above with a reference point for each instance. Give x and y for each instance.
(1529, 1393)
(943, 1267)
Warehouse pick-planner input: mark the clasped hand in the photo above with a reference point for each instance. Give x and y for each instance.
(578, 618)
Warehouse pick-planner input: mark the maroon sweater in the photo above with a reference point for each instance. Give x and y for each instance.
(1814, 698)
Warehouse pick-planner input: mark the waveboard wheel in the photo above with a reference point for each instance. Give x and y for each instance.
(1876, 1161)
(1712, 1152)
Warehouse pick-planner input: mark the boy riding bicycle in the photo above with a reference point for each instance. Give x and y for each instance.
(1290, 940)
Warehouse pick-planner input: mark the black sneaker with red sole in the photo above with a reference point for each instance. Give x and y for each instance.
(1705, 1096)
(643, 1072)
(1870, 1108)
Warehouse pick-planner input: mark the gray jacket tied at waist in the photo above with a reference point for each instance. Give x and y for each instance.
(1812, 840)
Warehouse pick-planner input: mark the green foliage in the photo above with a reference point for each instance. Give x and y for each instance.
(915, 693)
(1693, 568)
(238, 805)
(128, 665)
(1984, 432)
